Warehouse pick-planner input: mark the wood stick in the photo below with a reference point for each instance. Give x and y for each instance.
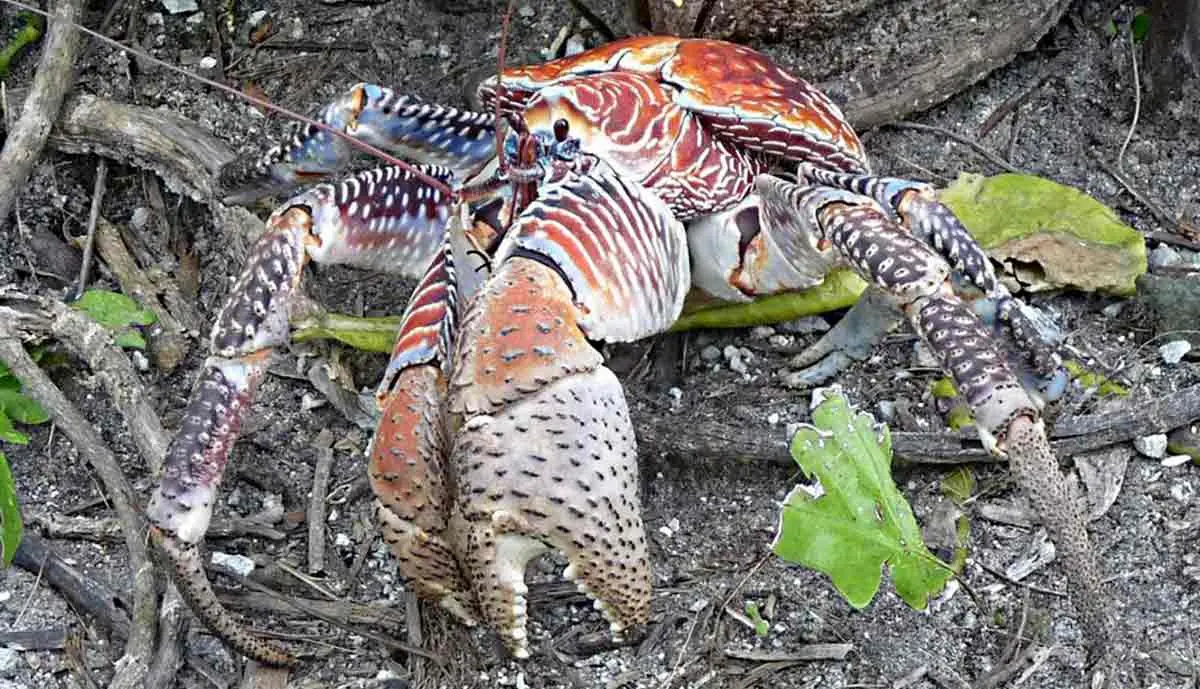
(50, 85)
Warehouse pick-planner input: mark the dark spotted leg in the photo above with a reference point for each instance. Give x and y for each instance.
(915, 206)
(385, 219)
(1007, 418)
(460, 140)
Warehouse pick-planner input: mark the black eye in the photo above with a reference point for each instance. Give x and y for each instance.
(561, 127)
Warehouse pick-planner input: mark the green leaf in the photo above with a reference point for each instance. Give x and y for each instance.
(113, 309)
(861, 522)
(1094, 380)
(10, 514)
(1140, 26)
(376, 334)
(130, 339)
(958, 485)
(22, 409)
(9, 433)
(1073, 239)
(840, 289)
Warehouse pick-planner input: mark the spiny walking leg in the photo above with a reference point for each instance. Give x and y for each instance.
(384, 218)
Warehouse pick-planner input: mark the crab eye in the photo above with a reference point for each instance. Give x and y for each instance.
(561, 128)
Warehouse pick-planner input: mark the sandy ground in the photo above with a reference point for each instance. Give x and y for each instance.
(711, 519)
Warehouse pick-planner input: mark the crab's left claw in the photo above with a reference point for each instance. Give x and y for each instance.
(459, 140)
(545, 456)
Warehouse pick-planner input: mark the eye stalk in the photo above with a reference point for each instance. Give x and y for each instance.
(561, 129)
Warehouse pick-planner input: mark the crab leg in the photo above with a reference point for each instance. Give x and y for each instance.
(545, 455)
(385, 219)
(1007, 418)
(460, 140)
(916, 207)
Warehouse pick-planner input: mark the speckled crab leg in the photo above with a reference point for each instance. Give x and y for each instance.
(385, 219)
(915, 206)
(460, 140)
(545, 455)
(1007, 418)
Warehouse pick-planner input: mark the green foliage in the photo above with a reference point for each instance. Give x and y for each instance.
(959, 485)
(10, 515)
(860, 522)
(1074, 239)
(761, 627)
(26, 36)
(119, 314)
(1092, 380)
(15, 406)
(376, 334)
(841, 288)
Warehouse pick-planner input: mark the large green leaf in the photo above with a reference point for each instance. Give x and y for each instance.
(1073, 239)
(10, 514)
(118, 313)
(860, 523)
(20, 408)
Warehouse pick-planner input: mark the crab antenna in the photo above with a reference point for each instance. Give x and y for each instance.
(260, 102)
(500, 54)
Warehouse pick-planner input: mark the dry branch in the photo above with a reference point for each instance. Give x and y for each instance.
(50, 86)
(132, 668)
(659, 433)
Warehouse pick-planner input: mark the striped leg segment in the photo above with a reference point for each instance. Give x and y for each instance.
(1007, 418)
(326, 225)
(409, 450)
(545, 455)
(915, 206)
(460, 140)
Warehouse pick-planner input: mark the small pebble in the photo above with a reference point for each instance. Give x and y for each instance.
(140, 218)
(208, 62)
(140, 362)
(710, 353)
(238, 563)
(1113, 310)
(1173, 352)
(773, 418)
(666, 531)
(674, 524)
(1163, 256)
(341, 540)
(887, 410)
(196, 19)
(525, 11)
(761, 332)
(9, 661)
(1152, 446)
(180, 6)
(805, 325)
(1175, 460)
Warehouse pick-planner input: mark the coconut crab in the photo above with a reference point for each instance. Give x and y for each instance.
(628, 174)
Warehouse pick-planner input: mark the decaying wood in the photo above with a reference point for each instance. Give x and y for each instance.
(81, 592)
(31, 317)
(50, 85)
(659, 433)
(133, 667)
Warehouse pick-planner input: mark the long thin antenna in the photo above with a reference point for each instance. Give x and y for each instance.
(361, 145)
(500, 55)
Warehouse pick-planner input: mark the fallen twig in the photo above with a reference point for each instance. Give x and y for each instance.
(27, 137)
(82, 593)
(29, 317)
(108, 529)
(168, 344)
(712, 437)
(974, 145)
(316, 501)
(133, 666)
(89, 245)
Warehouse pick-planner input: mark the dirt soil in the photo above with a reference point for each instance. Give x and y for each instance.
(711, 519)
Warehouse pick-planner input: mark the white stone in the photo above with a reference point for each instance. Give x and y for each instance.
(238, 563)
(180, 6)
(208, 62)
(341, 540)
(1173, 352)
(9, 661)
(1152, 446)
